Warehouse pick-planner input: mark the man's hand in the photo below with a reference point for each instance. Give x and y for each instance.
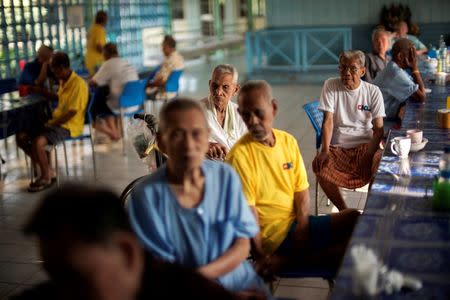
(320, 161)
(264, 268)
(411, 59)
(217, 151)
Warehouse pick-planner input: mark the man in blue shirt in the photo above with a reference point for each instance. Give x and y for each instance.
(192, 211)
(396, 84)
(36, 72)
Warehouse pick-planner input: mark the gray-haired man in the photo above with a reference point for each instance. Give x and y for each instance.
(223, 119)
(351, 131)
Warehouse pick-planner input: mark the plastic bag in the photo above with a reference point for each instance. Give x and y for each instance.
(142, 138)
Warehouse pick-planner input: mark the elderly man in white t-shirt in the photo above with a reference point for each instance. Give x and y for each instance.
(222, 115)
(110, 79)
(351, 131)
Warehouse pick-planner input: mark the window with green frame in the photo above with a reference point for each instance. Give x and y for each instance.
(27, 24)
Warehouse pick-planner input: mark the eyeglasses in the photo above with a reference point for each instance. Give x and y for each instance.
(352, 69)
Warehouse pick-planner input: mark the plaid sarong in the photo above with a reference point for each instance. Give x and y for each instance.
(350, 168)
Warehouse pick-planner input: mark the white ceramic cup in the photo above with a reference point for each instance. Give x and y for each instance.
(401, 145)
(416, 135)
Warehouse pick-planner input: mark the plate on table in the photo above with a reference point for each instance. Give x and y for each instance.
(419, 146)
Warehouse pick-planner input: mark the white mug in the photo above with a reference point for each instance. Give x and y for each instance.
(401, 145)
(416, 135)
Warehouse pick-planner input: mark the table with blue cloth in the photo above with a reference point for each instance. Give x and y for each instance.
(21, 113)
(398, 222)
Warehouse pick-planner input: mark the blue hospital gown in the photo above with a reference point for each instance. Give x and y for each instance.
(197, 236)
(397, 86)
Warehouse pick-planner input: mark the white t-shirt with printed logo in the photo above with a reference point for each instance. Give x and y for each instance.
(353, 111)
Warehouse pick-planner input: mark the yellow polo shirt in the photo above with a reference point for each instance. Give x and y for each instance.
(94, 58)
(73, 94)
(270, 176)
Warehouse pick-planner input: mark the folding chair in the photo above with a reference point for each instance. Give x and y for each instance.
(133, 95)
(316, 118)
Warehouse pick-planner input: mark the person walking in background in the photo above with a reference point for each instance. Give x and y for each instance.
(96, 40)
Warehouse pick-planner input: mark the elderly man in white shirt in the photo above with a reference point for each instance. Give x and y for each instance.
(222, 115)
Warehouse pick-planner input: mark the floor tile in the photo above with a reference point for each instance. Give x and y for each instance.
(304, 282)
(301, 293)
(17, 272)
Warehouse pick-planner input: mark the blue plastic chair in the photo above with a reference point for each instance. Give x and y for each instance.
(8, 85)
(133, 95)
(316, 118)
(173, 82)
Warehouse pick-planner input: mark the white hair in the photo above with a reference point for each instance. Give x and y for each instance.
(227, 69)
(353, 55)
(378, 32)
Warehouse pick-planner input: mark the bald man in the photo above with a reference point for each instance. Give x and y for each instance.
(376, 60)
(36, 72)
(275, 184)
(400, 80)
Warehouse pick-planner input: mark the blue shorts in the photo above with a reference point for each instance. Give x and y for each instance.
(319, 233)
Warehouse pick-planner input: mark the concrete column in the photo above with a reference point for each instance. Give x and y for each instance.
(218, 26)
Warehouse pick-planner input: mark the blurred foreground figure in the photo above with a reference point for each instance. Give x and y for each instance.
(90, 252)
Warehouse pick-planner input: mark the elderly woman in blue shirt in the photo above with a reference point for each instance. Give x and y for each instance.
(192, 211)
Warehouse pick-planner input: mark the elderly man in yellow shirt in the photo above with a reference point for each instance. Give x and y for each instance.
(275, 183)
(67, 119)
(96, 40)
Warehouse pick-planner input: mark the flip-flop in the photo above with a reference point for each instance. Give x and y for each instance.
(39, 186)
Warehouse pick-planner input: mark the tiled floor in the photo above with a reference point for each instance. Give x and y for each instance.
(19, 261)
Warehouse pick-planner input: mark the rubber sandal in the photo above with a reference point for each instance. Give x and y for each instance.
(39, 186)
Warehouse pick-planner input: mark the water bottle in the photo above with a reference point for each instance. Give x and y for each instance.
(441, 194)
(442, 55)
(448, 60)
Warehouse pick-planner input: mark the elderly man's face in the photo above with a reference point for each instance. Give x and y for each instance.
(92, 271)
(44, 55)
(351, 72)
(166, 49)
(381, 43)
(222, 88)
(402, 29)
(185, 139)
(258, 114)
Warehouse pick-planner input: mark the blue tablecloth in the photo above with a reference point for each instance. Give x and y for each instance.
(21, 113)
(398, 222)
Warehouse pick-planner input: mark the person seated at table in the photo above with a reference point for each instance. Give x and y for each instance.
(376, 60)
(67, 120)
(89, 251)
(275, 184)
(173, 61)
(35, 73)
(401, 31)
(110, 79)
(396, 84)
(192, 211)
(352, 129)
(223, 119)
